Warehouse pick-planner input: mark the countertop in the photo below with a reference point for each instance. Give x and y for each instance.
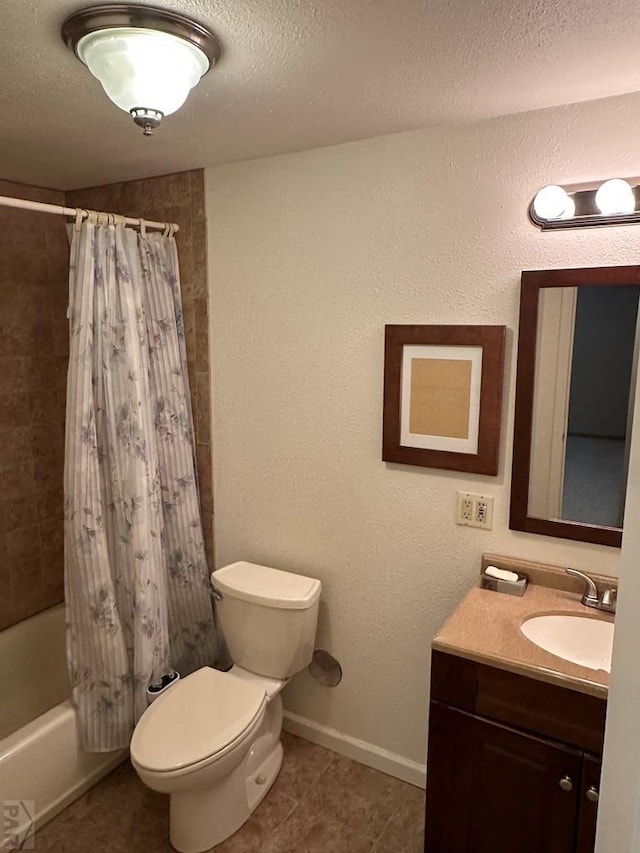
(485, 627)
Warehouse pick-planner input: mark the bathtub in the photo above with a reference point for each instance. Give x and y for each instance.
(41, 763)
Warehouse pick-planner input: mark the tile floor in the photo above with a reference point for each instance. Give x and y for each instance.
(320, 803)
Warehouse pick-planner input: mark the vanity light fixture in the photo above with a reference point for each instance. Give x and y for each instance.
(613, 202)
(147, 59)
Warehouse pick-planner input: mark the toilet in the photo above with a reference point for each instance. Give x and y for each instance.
(212, 740)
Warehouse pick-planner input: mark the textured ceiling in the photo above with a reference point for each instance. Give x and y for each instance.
(297, 74)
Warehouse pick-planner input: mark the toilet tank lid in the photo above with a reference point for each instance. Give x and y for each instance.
(266, 586)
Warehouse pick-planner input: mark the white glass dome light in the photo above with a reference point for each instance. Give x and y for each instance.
(553, 202)
(147, 59)
(139, 68)
(615, 197)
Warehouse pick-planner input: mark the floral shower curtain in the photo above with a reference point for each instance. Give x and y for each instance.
(137, 591)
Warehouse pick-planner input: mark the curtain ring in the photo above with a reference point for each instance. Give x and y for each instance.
(143, 227)
(165, 233)
(79, 217)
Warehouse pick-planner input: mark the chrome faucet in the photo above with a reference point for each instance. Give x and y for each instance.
(592, 598)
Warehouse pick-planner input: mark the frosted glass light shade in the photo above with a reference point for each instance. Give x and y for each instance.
(553, 202)
(143, 68)
(570, 209)
(615, 196)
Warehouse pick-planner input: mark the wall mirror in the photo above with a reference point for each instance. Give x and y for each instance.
(577, 362)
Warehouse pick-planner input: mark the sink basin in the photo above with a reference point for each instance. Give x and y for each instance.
(587, 642)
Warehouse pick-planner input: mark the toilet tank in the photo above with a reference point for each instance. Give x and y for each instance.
(268, 616)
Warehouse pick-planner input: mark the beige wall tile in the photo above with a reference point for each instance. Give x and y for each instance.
(17, 477)
(18, 513)
(33, 300)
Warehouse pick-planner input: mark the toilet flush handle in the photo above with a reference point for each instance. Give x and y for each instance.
(215, 592)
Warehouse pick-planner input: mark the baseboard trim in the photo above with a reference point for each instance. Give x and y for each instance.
(359, 750)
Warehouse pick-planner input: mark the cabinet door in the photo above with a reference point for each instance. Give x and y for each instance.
(449, 780)
(589, 804)
(496, 790)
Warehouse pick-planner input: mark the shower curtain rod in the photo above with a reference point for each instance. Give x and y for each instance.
(42, 207)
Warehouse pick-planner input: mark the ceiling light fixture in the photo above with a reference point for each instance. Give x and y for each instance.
(611, 202)
(147, 59)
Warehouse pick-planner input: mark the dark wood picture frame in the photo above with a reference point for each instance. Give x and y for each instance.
(531, 283)
(492, 341)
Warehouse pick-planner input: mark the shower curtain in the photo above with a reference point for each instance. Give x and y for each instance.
(137, 591)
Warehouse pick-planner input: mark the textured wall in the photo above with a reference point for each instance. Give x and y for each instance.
(311, 254)
(177, 198)
(34, 263)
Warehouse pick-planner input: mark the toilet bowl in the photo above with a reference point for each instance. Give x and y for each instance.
(213, 743)
(212, 740)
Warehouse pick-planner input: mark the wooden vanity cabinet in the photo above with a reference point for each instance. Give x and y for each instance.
(586, 839)
(513, 763)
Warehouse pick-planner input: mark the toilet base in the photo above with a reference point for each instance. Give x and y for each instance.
(203, 817)
(259, 783)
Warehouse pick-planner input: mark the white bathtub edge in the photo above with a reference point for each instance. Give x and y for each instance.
(43, 762)
(108, 763)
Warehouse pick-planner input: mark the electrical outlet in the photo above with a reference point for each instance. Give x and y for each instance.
(464, 508)
(483, 512)
(474, 510)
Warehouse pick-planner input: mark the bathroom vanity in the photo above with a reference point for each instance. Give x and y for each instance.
(515, 733)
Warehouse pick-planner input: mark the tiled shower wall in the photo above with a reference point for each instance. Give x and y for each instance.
(177, 198)
(34, 262)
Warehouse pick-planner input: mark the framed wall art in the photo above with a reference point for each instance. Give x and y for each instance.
(443, 396)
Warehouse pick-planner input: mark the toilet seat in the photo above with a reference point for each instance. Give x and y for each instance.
(201, 717)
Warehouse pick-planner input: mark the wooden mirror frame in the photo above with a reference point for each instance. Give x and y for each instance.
(531, 283)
